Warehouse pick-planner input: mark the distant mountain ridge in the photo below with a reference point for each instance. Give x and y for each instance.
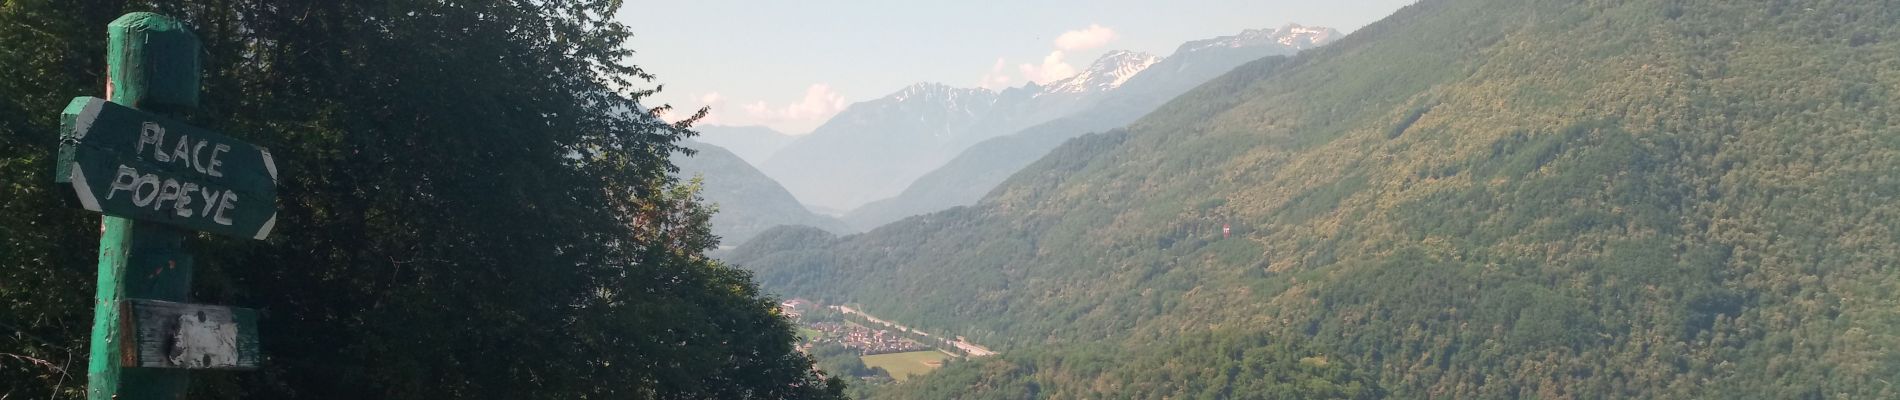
(971, 174)
(1291, 35)
(755, 144)
(748, 201)
(877, 145)
(1107, 73)
(875, 149)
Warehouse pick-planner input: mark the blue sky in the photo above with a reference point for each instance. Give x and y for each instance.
(790, 65)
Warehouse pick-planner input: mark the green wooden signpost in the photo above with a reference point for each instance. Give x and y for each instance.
(154, 177)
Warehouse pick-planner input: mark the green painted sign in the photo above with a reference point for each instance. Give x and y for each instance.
(129, 163)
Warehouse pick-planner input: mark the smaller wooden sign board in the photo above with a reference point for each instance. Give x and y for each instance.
(166, 334)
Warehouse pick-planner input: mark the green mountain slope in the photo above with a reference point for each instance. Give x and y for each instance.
(748, 201)
(1470, 199)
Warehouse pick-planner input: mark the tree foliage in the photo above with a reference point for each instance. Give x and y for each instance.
(468, 208)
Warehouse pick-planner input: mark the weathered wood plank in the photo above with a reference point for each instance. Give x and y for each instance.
(166, 334)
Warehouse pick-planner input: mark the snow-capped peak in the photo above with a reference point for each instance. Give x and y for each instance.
(1107, 73)
(932, 91)
(1295, 36)
(1302, 37)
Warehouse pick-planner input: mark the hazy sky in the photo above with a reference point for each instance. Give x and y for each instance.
(790, 65)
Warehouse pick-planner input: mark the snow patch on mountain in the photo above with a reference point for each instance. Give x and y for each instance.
(945, 94)
(1292, 35)
(1107, 73)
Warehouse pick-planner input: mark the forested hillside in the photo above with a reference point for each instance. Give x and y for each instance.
(1469, 199)
(465, 209)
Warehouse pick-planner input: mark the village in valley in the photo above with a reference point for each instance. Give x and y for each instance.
(847, 341)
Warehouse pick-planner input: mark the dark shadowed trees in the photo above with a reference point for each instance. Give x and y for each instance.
(468, 208)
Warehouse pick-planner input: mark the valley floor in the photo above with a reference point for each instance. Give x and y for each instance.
(961, 344)
(903, 366)
(902, 352)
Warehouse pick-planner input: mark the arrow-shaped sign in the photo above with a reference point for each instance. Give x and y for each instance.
(129, 163)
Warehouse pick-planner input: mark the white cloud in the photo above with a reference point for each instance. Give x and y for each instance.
(1053, 68)
(997, 78)
(714, 100)
(710, 99)
(1086, 38)
(819, 104)
(798, 117)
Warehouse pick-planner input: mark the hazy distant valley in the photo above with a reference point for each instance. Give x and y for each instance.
(930, 147)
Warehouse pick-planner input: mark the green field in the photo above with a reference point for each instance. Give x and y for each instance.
(809, 333)
(905, 365)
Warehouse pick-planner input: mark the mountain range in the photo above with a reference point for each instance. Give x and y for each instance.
(875, 149)
(1467, 199)
(876, 145)
(971, 174)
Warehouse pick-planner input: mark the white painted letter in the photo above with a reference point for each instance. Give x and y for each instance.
(213, 168)
(229, 202)
(139, 196)
(128, 177)
(152, 133)
(183, 207)
(196, 152)
(211, 200)
(183, 152)
(166, 191)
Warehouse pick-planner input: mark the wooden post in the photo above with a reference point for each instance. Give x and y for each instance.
(156, 178)
(151, 64)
